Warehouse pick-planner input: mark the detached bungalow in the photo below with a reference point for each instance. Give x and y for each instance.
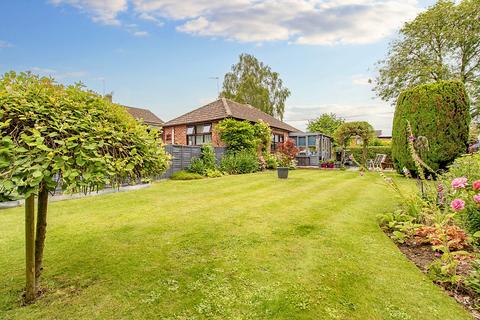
(147, 116)
(197, 127)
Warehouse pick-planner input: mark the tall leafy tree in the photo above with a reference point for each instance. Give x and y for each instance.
(326, 123)
(252, 82)
(50, 136)
(441, 43)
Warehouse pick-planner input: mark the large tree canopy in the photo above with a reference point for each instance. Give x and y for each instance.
(252, 82)
(327, 123)
(51, 135)
(442, 43)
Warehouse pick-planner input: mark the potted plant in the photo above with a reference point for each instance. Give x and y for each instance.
(331, 164)
(324, 165)
(287, 151)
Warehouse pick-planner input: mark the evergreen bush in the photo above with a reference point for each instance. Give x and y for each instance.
(438, 112)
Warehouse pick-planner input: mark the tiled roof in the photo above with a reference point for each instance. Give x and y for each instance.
(225, 108)
(148, 116)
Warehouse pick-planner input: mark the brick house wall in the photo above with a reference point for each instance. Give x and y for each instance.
(179, 134)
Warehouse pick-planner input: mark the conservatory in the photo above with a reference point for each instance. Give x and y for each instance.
(314, 148)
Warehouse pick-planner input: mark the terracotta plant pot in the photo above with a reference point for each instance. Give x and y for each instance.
(282, 172)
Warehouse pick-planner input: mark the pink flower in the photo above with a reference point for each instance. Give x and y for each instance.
(457, 204)
(411, 138)
(476, 198)
(458, 183)
(476, 185)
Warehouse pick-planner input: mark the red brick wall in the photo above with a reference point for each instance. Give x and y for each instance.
(180, 134)
(216, 142)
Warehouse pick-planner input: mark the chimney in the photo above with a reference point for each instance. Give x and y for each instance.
(109, 97)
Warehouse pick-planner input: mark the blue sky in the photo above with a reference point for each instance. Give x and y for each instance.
(160, 54)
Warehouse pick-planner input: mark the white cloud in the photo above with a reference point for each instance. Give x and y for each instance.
(378, 114)
(58, 74)
(103, 11)
(140, 33)
(5, 44)
(306, 22)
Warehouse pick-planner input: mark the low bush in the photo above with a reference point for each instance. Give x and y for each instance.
(456, 238)
(240, 162)
(271, 161)
(205, 162)
(213, 173)
(465, 166)
(185, 175)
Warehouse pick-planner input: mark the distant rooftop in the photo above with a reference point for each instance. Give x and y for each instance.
(146, 115)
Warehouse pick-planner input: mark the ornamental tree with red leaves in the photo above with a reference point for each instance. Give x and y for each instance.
(287, 151)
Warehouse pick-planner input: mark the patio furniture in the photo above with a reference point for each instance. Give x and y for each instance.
(377, 162)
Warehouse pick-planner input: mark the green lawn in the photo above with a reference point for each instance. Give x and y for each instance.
(237, 247)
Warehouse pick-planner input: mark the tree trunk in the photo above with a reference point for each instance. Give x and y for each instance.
(30, 249)
(41, 232)
(364, 154)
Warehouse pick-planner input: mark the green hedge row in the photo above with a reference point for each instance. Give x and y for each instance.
(438, 111)
(371, 152)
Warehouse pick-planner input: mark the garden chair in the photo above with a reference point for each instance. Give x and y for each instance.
(377, 162)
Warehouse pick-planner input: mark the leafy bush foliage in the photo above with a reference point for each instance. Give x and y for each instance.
(438, 112)
(237, 135)
(240, 162)
(205, 162)
(465, 166)
(400, 224)
(208, 156)
(243, 135)
(213, 173)
(50, 132)
(457, 239)
(271, 161)
(197, 166)
(186, 175)
(286, 153)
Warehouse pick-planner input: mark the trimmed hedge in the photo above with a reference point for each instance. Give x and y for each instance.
(438, 111)
(372, 152)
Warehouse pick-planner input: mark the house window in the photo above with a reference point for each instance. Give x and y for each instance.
(312, 141)
(199, 134)
(276, 140)
(302, 141)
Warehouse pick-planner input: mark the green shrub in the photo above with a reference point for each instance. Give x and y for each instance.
(240, 162)
(271, 161)
(371, 152)
(243, 135)
(208, 156)
(185, 175)
(465, 166)
(237, 135)
(197, 166)
(213, 173)
(205, 162)
(438, 111)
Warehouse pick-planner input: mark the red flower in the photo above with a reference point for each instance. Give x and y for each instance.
(476, 185)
